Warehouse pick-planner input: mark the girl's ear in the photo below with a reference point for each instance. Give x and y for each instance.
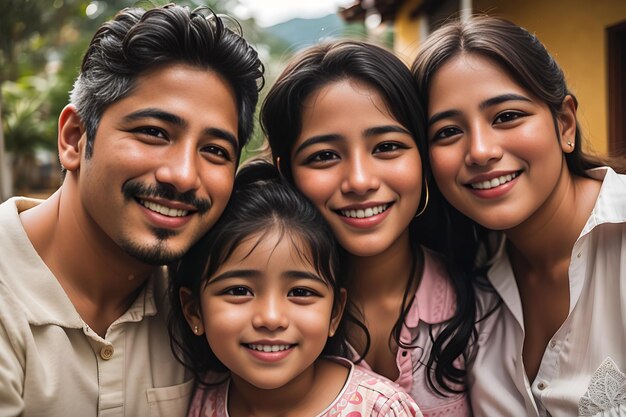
(566, 122)
(338, 312)
(191, 311)
(72, 138)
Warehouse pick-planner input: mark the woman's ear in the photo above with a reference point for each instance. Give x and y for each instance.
(566, 122)
(338, 312)
(71, 138)
(191, 311)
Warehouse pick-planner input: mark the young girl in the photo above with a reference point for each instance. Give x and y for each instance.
(505, 150)
(259, 298)
(345, 126)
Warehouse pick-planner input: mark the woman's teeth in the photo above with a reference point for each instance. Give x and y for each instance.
(364, 213)
(486, 185)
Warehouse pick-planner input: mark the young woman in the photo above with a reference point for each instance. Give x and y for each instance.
(345, 126)
(259, 299)
(505, 150)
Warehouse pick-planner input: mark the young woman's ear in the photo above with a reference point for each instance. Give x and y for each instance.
(338, 312)
(71, 138)
(566, 122)
(191, 311)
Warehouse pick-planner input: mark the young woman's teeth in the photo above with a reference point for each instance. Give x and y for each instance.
(486, 185)
(166, 211)
(269, 348)
(364, 213)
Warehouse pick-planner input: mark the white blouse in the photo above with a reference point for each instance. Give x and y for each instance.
(582, 372)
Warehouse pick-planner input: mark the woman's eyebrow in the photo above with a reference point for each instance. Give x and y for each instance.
(493, 101)
(317, 139)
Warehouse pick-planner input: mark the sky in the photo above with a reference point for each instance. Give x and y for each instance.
(271, 12)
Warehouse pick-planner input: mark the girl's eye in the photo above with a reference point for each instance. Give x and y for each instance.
(238, 292)
(387, 147)
(446, 132)
(507, 116)
(323, 156)
(301, 292)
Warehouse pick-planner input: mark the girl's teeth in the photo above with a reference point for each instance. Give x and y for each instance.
(486, 185)
(269, 348)
(166, 211)
(364, 213)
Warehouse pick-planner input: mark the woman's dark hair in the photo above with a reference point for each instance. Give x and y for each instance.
(136, 41)
(281, 120)
(261, 203)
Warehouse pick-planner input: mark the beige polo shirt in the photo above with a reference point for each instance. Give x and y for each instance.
(52, 364)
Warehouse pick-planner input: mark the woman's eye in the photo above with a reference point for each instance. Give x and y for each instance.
(322, 156)
(238, 291)
(301, 292)
(507, 117)
(387, 147)
(446, 132)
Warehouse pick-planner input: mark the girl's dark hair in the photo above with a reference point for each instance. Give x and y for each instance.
(281, 120)
(260, 204)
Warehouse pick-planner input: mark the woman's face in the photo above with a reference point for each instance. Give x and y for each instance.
(359, 166)
(493, 146)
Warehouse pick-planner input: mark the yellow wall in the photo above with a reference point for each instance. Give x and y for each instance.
(574, 31)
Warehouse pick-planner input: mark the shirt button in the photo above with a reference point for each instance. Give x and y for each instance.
(542, 386)
(106, 352)
(552, 344)
(579, 255)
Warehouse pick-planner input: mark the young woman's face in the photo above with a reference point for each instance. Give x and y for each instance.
(494, 149)
(359, 166)
(267, 313)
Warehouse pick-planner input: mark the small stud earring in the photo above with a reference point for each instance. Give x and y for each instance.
(195, 329)
(570, 144)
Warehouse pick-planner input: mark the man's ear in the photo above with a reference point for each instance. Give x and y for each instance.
(567, 124)
(71, 138)
(338, 312)
(191, 311)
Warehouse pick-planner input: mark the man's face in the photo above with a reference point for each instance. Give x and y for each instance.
(163, 163)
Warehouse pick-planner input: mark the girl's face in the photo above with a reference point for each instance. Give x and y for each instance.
(494, 149)
(266, 312)
(359, 166)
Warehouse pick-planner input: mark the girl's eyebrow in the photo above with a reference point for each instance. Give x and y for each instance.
(316, 139)
(487, 103)
(235, 273)
(303, 275)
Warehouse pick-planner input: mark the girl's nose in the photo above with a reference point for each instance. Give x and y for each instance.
(484, 147)
(359, 176)
(270, 314)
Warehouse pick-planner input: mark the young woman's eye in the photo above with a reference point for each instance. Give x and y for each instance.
(217, 151)
(238, 292)
(389, 147)
(301, 292)
(507, 116)
(446, 132)
(323, 156)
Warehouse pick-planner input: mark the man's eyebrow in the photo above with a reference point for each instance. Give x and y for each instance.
(155, 114)
(222, 134)
(316, 139)
(483, 105)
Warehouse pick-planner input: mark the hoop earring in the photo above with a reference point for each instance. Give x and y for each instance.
(427, 197)
(280, 172)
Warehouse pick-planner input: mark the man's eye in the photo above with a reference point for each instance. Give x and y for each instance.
(151, 131)
(217, 151)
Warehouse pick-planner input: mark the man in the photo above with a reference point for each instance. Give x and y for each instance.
(150, 144)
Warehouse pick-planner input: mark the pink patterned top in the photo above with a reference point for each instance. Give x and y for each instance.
(434, 302)
(364, 394)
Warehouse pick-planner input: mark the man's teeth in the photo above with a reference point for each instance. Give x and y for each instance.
(166, 211)
(486, 185)
(269, 348)
(363, 213)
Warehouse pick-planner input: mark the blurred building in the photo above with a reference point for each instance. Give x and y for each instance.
(588, 40)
